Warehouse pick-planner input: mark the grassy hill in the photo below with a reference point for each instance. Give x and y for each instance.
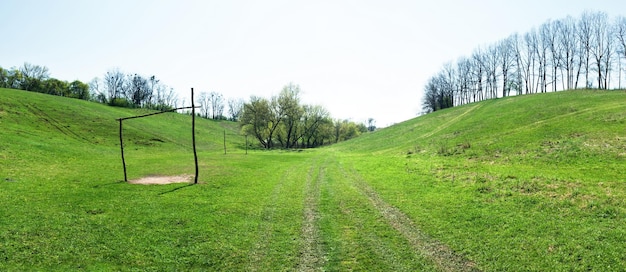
(533, 182)
(537, 180)
(49, 132)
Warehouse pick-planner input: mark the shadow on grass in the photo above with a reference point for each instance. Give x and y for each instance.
(177, 188)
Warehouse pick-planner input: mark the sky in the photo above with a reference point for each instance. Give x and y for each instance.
(358, 59)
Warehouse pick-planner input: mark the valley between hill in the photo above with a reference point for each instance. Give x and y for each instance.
(535, 182)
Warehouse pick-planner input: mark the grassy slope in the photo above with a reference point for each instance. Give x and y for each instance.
(532, 182)
(60, 170)
(64, 207)
(44, 132)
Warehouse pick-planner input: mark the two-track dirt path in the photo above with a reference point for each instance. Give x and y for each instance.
(313, 253)
(445, 258)
(266, 227)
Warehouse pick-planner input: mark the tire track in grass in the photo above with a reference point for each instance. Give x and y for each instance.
(440, 127)
(444, 257)
(311, 252)
(266, 228)
(451, 121)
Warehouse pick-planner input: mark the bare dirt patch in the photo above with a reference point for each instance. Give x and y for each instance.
(151, 180)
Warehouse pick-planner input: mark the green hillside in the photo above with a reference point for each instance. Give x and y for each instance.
(534, 182)
(50, 133)
(538, 180)
(512, 123)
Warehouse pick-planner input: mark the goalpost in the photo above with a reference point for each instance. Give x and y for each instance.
(193, 134)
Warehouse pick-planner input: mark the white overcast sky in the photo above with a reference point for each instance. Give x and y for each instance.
(358, 59)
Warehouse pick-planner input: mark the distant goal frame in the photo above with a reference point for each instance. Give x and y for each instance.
(193, 134)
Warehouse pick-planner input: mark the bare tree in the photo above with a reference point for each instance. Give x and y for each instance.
(216, 103)
(567, 40)
(114, 81)
(620, 33)
(528, 55)
(585, 37)
(170, 99)
(438, 94)
(448, 84)
(507, 61)
(601, 46)
(235, 107)
(542, 56)
(33, 76)
(478, 71)
(204, 102)
(95, 89)
(431, 93)
(464, 69)
(371, 124)
(491, 62)
(138, 90)
(556, 56)
(153, 83)
(550, 37)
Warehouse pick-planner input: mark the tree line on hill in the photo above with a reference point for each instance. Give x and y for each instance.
(136, 91)
(37, 78)
(570, 53)
(115, 89)
(278, 122)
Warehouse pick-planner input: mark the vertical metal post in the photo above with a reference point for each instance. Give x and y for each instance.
(122, 149)
(193, 135)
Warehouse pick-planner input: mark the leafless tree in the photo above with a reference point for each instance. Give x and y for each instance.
(550, 38)
(464, 69)
(585, 29)
(542, 56)
(528, 53)
(33, 75)
(506, 54)
(114, 81)
(138, 90)
(235, 108)
(204, 102)
(491, 63)
(216, 103)
(448, 81)
(478, 72)
(95, 90)
(620, 33)
(170, 99)
(557, 55)
(567, 40)
(153, 83)
(600, 46)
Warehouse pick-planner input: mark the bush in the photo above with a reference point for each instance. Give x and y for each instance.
(120, 102)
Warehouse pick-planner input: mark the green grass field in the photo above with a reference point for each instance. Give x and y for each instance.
(536, 182)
